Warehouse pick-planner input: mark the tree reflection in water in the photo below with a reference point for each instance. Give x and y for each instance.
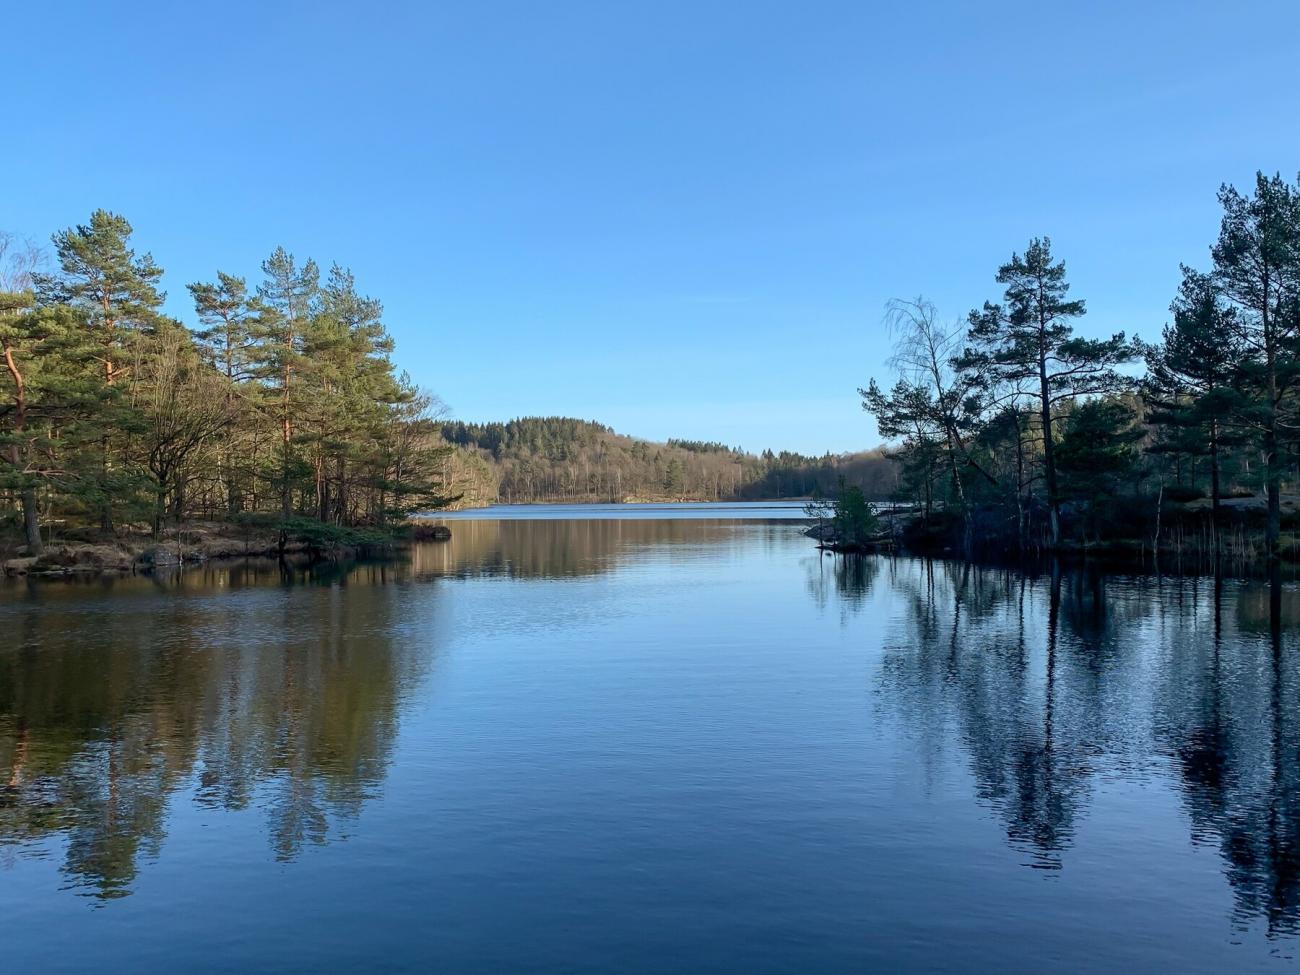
(249, 684)
(1229, 720)
(285, 699)
(245, 689)
(565, 548)
(1050, 680)
(846, 578)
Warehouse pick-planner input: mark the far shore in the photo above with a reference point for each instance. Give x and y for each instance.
(631, 500)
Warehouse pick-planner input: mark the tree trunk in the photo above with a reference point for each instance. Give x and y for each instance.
(1216, 493)
(1022, 518)
(341, 493)
(1049, 454)
(32, 522)
(322, 493)
(1272, 469)
(286, 435)
(286, 504)
(234, 503)
(1273, 527)
(110, 376)
(106, 508)
(31, 510)
(159, 511)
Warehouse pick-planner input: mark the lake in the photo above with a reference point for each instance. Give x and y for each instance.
(587, 742)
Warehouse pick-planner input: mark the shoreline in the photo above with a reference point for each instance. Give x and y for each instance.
(1115, 556)
(629, 501)
(202, 544)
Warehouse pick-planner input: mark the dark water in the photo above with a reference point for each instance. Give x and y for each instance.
(648, 746)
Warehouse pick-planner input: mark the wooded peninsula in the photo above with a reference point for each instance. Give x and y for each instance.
(1017, 434)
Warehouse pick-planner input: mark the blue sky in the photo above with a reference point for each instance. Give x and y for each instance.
(680, 218)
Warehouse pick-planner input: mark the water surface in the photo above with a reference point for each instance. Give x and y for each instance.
(648, 744)
(675, 510)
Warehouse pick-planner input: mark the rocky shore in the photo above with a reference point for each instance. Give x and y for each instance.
(197, 544)
(828, 539)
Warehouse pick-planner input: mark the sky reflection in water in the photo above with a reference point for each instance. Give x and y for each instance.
(648, 745)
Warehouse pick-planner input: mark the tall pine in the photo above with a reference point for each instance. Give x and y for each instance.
(288, 297)
(1028, 345)
(1192, 375)
(1257, 268)
(116, 294)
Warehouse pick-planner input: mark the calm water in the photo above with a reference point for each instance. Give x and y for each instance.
(748, 510)
(648, 745)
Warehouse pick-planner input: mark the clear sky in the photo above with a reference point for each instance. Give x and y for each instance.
(679, 218)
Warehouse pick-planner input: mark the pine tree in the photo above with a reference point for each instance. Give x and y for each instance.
(16, 304)
(52, 409)
(102, 277)
(227, 316)
(1097, 451)
(1192, 375)
(16, 308)
(674, 477)
(1028, 344)
(288, 297)
(1257, 268)
(116, 295)
(353, 387)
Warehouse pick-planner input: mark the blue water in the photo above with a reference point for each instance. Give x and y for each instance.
(648, 745)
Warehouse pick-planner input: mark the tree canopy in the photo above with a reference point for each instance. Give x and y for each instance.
(281, 403)
(1036, 432)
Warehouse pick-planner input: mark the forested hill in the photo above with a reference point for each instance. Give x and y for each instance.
(565, 459)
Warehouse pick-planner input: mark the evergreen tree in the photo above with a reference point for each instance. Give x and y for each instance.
(16, 304)
(116, 295)
(406, 467)
(288, 297)
(1257, 268)
(1097, 451)
(1192, 374)
(1029, 345)
(107, 404)
(674, 477)
(16, 308)
(53, 408)
(353, 388)
(227, 316)
(116, 291)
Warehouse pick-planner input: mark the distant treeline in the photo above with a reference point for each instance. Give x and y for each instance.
(280, 400)
(1012, 430)
(564, 459)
